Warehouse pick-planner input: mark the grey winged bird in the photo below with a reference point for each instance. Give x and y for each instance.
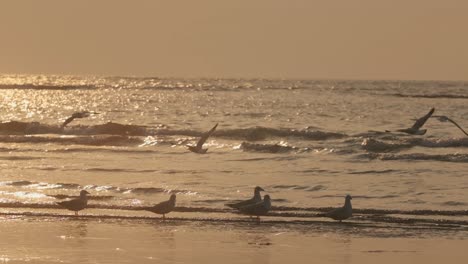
(416, 128)
(199, 147)
(255, 199)
(82, 114)
(257, 209)
(163, 207)
(77, 204)
(445, 119)
(341, 213)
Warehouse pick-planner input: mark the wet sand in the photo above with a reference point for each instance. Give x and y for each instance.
(68, 239)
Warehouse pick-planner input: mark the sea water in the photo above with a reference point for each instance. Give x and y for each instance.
(308, 143)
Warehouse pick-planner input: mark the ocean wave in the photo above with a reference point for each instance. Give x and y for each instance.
(267, 148)
(262, 133)
(110, 128)
(373, 145)
(445, 96)
(251, 134)
(301, 187)
(97, 140)
(30, 86)
(443, 143)
(98, 188)
(463, 158)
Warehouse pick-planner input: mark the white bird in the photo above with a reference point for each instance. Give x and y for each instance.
(416, 128)
(341, 213)
(199, 147)
(445, 119)
(255, 199)
(82, 114)
(257, 209)
(163, 207)
(77, 204)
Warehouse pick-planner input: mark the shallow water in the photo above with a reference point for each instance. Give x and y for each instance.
(307, 143)
(71, 240)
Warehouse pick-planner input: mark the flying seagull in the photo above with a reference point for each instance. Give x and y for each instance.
(82, 114)
(163, 207)
(341, 213)
(257, 209)
(255, 199)
(415, 129)
(199, 147)
(77, 204)
(445, 119)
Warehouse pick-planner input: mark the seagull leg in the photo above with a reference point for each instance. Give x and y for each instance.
(76, 213)
(164, 217)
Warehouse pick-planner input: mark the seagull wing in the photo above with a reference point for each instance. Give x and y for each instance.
(241, 204)
(254, 209)
(453, 122)
(445, 118)
(335, 213)
(161, 208)
(205, 136)
(421, 121)
(75, 204)
(68, 120)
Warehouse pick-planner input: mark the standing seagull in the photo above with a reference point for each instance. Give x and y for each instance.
(163, 207)
(255, 199)
(341, 213)
(82, 114)
(199, 147)
(415, 129)
(77, 204)
(257, 209)
(445, 119)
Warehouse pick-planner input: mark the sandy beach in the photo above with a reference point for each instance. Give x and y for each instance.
(62, 238)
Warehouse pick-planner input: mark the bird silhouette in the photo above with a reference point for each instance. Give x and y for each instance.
(163, 207)
(257, 209)
(341, 213)
(82, 114)
(199, 147)
(442, 118)
(255, 199)
(416, 128)
(77, 204)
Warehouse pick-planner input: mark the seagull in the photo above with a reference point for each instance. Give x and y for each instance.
(163, 207)
(199, 147)
(341, 213)
(415, 129)
(255, 199)
(257, 209)
(82, 114)
(77, 204)
(445, 119)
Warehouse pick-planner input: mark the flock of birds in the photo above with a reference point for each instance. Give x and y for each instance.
(256, 206)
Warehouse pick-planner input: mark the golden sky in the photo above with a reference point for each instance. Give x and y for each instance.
(346, 39)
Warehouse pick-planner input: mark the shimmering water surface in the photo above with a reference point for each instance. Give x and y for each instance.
(308, 143)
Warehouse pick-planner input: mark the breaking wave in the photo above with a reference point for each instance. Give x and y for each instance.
(447, 96)
(461, 158)
(98, 188)
(119, 134)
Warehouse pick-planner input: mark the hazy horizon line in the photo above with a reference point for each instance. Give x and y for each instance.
(234, 78)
